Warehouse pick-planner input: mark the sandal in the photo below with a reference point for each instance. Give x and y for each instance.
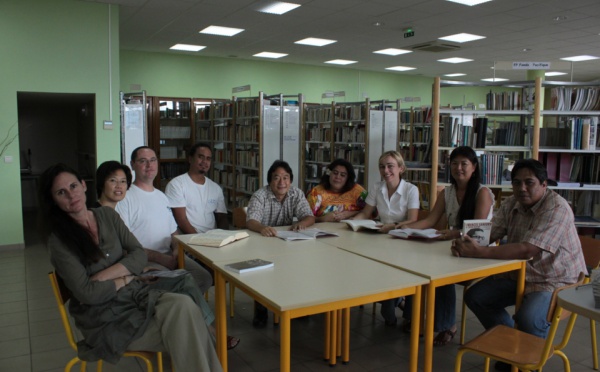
(444, 337)
(232, 342)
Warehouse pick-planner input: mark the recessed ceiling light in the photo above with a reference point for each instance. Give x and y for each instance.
(400, 68)
(494, 79)
(579, 58)
(455, 75)
(555, 73)
(187, 47)
(315, 41)
(378, 24)
(559, 18)
(470, 2)
(222, 31)
(392, 51)
(270, 55)
(455, 60)
(340, 62)
(462, 37)
(526, 50)
(278, 7)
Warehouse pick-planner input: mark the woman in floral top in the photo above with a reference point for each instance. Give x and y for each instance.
(337, 197)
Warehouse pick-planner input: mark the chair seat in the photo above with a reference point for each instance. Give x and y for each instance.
(516, 346)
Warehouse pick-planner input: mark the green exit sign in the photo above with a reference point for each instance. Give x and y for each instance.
(409, 34)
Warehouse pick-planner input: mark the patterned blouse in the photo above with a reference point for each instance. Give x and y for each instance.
(323, 201)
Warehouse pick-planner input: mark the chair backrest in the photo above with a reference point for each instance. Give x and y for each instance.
(591, 251)
(553, 301)
(239, 217)
(62, 295)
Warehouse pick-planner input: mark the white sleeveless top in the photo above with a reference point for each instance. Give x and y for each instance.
(452, 205)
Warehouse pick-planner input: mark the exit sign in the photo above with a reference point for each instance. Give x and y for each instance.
(409, 34)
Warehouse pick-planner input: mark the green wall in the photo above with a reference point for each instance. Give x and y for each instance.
(53, 46)
(182, 75)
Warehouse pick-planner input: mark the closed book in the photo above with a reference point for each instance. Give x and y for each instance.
(249, 265)
(478, 230)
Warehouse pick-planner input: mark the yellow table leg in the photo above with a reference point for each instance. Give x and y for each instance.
(285, 341)
(327, 345)
(428, 363)
(414, 330)
(221, 312)
(346, 335)
(333, 338)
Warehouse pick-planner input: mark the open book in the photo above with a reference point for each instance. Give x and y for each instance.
(478, 230)
(363, 224)
(303, 234)
(414, 233)
(249, 265)
(217, 237)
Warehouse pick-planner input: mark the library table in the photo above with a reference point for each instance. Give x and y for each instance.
(309, 277)
(431, 259)
(580, 300)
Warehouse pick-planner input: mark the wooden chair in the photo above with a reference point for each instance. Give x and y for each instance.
(520, 349)
(591, 254)
(62, 295)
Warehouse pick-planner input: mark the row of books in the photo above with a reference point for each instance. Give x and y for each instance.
(319, 133)
(174, 132)
(483, 132)
(350, 112)
(417, 176)
(416, 135)
(567, 167)
(248, 158)
(575, 99)
(224, 133)
(319, 154)
(247, 133)
(578, 133)
(350, 134)
(247, 182)
(172, 170)
(493, 169)
(318, 114)
(504, 101)
(419, 153)
(223, 177)
(355, 154)
(248, 108)
(420, 115)
(222, 156)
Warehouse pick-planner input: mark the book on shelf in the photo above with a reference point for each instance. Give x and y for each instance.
(303, 234)
(585, 221)
(478, 230)
(414, 233)
(217, 237)
(363, 224)
(249, 265)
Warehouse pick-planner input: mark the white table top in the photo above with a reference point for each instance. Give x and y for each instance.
(580, 300)
(255, 246)
(309, 279)
(429, 258)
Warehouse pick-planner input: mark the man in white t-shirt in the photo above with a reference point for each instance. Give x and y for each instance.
(197, 202)
(145, 210)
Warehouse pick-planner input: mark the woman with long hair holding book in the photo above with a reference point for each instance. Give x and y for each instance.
(337, 197)
(397, 203)
(116, 310)
(464, 199)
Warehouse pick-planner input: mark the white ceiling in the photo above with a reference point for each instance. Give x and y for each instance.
(509, 26)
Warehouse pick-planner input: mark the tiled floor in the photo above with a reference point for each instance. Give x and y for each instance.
(32, 338)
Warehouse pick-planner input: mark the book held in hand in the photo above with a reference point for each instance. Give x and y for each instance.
(478, 230)
(363, 224)
(249, 265)
(304, 234)
(217, 237)
(414, 233)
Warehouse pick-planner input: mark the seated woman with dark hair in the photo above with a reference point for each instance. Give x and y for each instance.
(99, 260)
(337, 197)
(112, 182)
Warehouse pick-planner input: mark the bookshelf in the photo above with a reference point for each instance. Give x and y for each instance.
(170, 135)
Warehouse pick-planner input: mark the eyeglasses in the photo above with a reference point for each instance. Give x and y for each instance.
(144, 161)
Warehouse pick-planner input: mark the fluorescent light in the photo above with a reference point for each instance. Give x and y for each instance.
(462, 37)
(455, 60)
(400, 68)
(340, 62)
(555, 73)
(392, 51)
(315, 41)
(470, 2)
(494, 79)
(222, 31)
(455, 75)
(278, 7)
(270, 55)
(187, 47)
(579, 58)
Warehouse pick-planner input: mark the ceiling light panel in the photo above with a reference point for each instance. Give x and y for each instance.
(315, 41)
(455, 75)
(455, 60)
(392, 51)
(278, 7)
(400, 68)
(187, 47)
(270, 55)
(555, 73)
(470, 2)
(342, 62)
(221, 31)
(579, 58)
(462, 37)
(494, 79)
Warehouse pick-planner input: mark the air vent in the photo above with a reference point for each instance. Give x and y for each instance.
(436, 47)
